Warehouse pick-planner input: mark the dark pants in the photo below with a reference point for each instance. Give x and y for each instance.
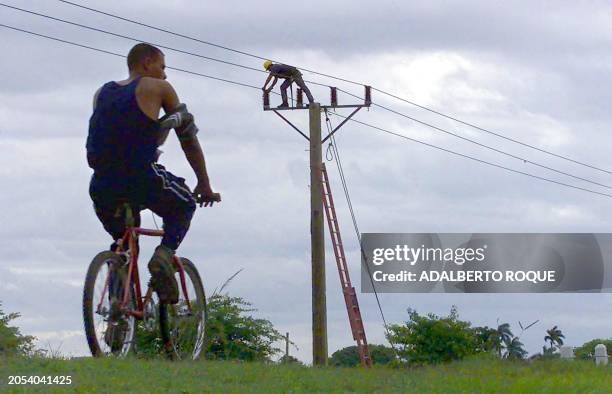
(155, 189)
(297, 78)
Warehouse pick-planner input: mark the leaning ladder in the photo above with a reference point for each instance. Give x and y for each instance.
(350, 296)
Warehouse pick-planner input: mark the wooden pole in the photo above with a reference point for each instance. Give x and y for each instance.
(287, 348)
(319, 309)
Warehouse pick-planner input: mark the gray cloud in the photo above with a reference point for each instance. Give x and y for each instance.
(532, 72)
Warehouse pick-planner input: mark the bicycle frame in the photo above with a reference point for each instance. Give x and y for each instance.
(130, 238)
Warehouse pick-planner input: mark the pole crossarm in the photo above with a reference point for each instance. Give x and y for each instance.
(367, 101)
(292, 125)
(341, 124)
(297, 107)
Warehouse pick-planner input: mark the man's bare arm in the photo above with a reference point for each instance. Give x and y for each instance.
(193, 152)
(267, 80)
(169, 98)
(273, 82)
(203, 191)
(195, 157)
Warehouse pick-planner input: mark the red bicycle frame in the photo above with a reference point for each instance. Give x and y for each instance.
(130, 238)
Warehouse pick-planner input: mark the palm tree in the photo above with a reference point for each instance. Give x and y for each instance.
(515, 349)
(504, 336)
(555, 337)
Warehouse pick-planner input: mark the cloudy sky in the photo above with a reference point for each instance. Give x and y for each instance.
(538, 72)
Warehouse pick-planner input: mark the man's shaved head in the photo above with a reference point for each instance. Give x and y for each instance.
(139, 53)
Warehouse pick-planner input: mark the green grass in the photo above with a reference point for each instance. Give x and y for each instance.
(486, 375)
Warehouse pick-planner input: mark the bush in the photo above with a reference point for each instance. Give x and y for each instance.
(232, 335)
(431, 339)
(11, 340)
(290, 360)
(349, 356)
(587, 351)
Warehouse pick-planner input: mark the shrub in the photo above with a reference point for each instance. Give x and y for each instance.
(349, 356)
(233, 335)
(290, 360)
(12, 342)
(587, 351)
(430, 339)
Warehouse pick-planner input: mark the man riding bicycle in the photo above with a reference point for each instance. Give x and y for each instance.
(124, 134)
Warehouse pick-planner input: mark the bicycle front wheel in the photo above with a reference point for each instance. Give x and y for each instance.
(183, 325)
(109, 331)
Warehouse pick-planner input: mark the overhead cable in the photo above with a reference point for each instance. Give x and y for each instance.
(363, 123)
(258, 70)
(523, 159)
(167, 31)
(476, 159)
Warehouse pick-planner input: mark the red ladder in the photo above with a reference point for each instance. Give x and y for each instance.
(350, 296)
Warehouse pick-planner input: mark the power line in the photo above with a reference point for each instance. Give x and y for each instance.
(493, 133)
(123, 56)
(195, 39)
(524, 160)
(258, 70)
(363, 123)
(477, 159)
(108, 32)
(130, 38)
(341, 79)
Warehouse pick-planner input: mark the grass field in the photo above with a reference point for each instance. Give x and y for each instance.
(469, 376)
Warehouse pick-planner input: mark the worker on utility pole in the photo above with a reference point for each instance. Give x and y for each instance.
(290, 74)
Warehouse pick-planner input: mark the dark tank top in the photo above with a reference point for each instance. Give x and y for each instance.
(122, 140)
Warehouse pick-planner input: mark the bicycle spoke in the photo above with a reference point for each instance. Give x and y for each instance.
(113, 330)
(187, 322)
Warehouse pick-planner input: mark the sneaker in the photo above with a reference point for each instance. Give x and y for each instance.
(162, 275)
(283, 105)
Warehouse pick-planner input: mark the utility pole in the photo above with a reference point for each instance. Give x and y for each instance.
(287, 348)
(319, 308)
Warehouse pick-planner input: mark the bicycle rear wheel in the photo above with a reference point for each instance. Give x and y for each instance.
(109, 331)
(183, 329)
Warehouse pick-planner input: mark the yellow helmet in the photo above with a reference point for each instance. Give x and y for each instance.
(267, 64)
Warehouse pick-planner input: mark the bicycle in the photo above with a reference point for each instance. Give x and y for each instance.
(113, 302)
